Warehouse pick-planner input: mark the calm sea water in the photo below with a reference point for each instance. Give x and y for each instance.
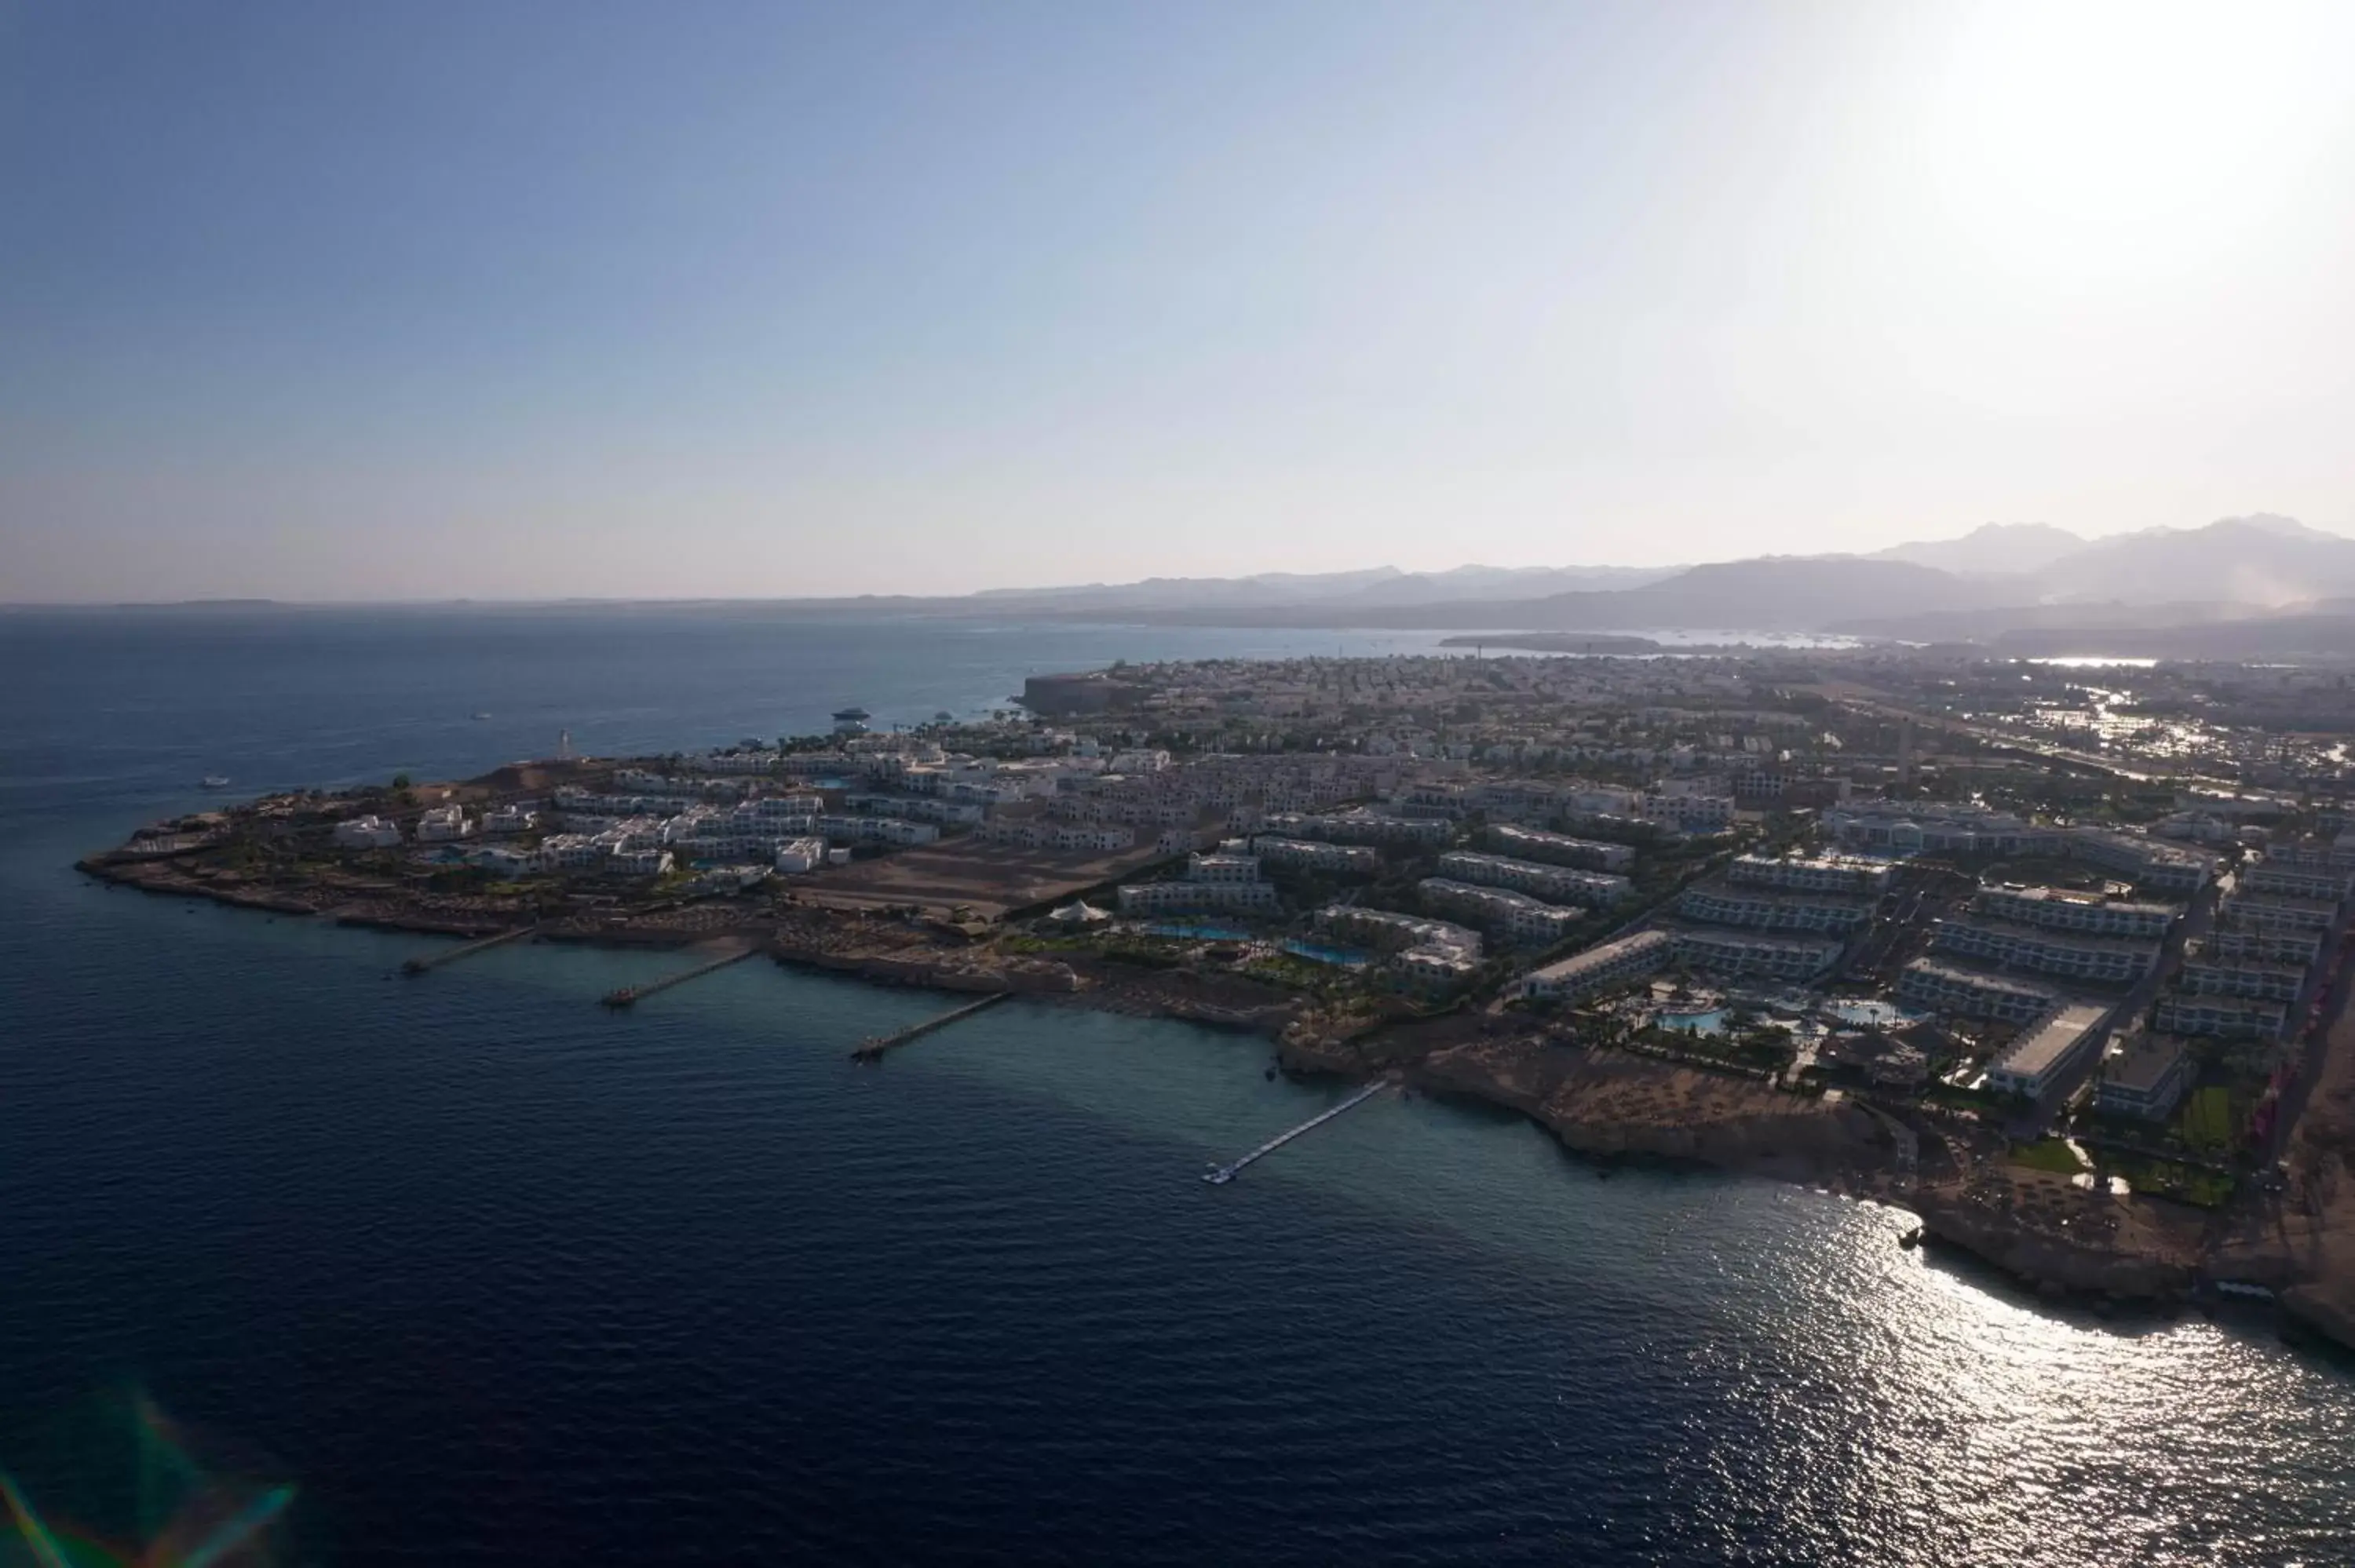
(495, 1277)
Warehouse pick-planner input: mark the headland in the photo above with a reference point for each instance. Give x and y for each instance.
(1789, 913)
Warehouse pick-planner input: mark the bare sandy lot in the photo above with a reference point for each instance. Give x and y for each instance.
(990, 879)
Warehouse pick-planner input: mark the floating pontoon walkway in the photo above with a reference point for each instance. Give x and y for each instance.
(1219, 1175)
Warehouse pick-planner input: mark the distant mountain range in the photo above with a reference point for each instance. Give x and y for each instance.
(2000, 584)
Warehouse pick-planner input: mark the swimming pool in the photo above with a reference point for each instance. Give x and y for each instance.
(1713, 1021)
(1319, 952)
(1871, 1014)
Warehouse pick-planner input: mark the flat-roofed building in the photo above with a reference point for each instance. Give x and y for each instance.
(2106, 960)
(1559, 848)
(1845, 873)
(2247, 909)
(1556, 881)
(1516, 917)
(2047, 1050)
(2263, 945)
(2063, 909)
(1628, 957)
(2228, 1017)
(1935, 987)
(1721, 904)
(2148, 862)
(1731, 952)
(2146, 1079)
(2298, 879)
(1389, 931)
(1313, 854)
(2219, 977)
(1174, 898)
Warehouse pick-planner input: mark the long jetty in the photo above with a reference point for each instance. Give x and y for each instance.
(426, 963)
(629, 995)
(872, 1049)
(1219, 1175)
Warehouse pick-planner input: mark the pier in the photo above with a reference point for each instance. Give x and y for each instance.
(629, 995)
(1219, 1175)
(872, 1049)
(426, 963)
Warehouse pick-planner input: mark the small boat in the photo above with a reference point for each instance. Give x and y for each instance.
(216, 780)
(481, 716)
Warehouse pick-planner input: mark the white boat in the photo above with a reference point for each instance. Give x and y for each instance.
(216, 780)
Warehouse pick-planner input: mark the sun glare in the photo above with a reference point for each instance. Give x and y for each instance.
(2077, 132)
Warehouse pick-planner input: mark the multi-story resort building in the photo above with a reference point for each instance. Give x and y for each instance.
(500, 820)
(2109, 960)
(1566, 979)
(1360, 827)
(1309, 854)
(1917, 827)
(1172, 898)
(895, 830)
(1689, 813)
(366, 832)
(2246, 910)
(795, 856)
(1729, 952)
(917, 808)
(1429, 956)
(1842, 873)
(2208, 976)
(1722, 905)
(2232, 1018)
(1559, 848)
(2148, 862)
(2063, 909)
(1935, 987)
(1516, 917)
(1094, 838)
(2047, 1050)
(2298, 879)
(1530, 876)
(2263, 945)
(443, 824)
(2146, 1079)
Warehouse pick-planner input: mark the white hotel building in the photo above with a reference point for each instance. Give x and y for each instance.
(1727, 952)
(1514, 915)
(1530, 876)
(2104, 960)
(1812, 873)
(1721, 905)
(1629, 958)
(1309, 854)
(2059, 909)
(1935, 987)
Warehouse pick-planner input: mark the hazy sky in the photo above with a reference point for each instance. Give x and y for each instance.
(458, 298)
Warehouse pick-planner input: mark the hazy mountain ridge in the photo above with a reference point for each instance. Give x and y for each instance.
(1996, 579)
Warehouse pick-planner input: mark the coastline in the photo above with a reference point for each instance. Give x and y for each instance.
(1599, 1103)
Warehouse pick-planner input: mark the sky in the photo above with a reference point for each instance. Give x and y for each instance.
(695, 298)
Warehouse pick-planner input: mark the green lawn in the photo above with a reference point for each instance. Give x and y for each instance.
(2208, 1121)
(2048, 1154)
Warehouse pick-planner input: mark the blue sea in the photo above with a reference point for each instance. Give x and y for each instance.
(491, 1275)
